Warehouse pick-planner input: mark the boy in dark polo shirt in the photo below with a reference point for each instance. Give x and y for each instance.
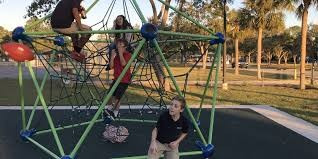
(118, 60)
(62, 21)
(172, 127)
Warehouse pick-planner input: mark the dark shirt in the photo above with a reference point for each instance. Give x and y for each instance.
(170, 130)
(62, 16)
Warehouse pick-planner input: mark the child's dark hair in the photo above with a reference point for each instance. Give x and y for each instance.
(181, 100)
(123, 41)
(126, 24)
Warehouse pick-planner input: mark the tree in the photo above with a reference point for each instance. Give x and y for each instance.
(176, 19)
(204, 13)
(237, 34)
(40, 8)
(3, 32)
(261, 14)
(302, 13)
(286, 55)
(268, 56)
(279, 53)
(165, 14)
(221, 7)
(248, 47)
(42, 45)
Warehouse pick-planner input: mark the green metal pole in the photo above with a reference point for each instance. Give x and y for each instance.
(88, 32)
(106, 99)
(178, 90)
(47, 113)
(187, 17)
(142, 17)
(91, 6)
(43, 148)
(215, 89)
(206, 87)
(135, 9)
(136, 120)
(38, 98)
(185, 40)
(187, 34)
(180, 154)
(20, 76)
(86, 123)
(38, 22)
(66, 127)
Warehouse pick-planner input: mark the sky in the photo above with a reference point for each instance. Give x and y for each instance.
(12, 12)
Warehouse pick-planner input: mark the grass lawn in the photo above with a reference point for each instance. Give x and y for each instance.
(300, 103)
(198, 74)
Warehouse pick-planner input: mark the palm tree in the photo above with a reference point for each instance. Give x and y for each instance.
(302, 13)
(237, 34)
(261, 14)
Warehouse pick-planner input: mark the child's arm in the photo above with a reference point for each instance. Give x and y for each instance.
(153, 144)
(154, 135)
(123, 59)
(123, 62)
(175, 144)
(111, 62)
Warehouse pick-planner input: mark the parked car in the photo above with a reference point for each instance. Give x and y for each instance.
(241, 64)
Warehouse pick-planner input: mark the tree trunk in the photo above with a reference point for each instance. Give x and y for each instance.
(279, 58)
(155, 61)
(156, 58)
(303, 49)
(162, 8)
(154, 11)
(224, 61)
(285, 59)
(295, 70)
(259, 53)
(249, 58)
(269, 60)
(205, 55)
(232, 58)
(224, 45)
(165, 14)
(176, 21)
(236, 41)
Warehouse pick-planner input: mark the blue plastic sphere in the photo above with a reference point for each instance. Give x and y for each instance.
(207, 151)
(27, 133)
(59, 41)
(149, 31)
(219, 40)
(18, 34)
(66, 157)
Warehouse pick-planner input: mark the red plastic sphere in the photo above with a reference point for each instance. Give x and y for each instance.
(18, 52)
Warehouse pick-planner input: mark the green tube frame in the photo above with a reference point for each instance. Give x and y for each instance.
(47, 113)
(95, 119)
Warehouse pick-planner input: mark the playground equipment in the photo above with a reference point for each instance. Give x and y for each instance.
(84, 76)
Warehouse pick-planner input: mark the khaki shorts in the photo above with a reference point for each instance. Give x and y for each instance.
(71, 29)
(164, 149)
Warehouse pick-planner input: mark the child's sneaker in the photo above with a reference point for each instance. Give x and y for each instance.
(78, 56)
